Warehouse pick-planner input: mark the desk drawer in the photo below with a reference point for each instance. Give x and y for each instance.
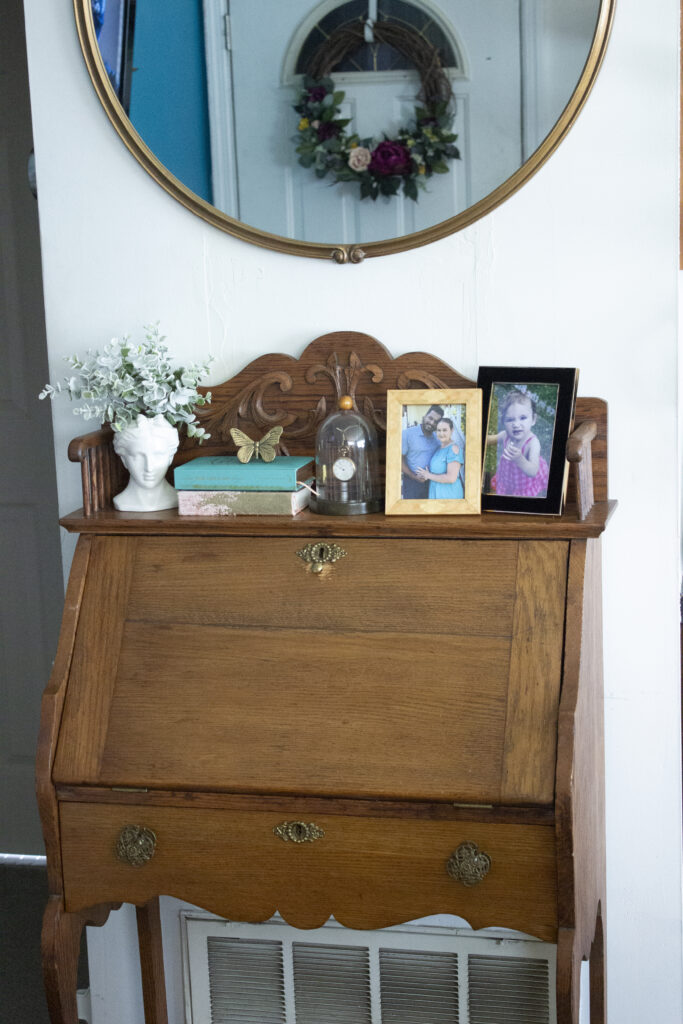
(367, 872)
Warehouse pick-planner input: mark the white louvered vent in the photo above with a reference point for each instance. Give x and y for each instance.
(418, 986)
(513, 989)
(246, 981)
(331, 984)
(422, 973)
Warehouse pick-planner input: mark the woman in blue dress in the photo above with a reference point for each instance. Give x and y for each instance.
(445, 464)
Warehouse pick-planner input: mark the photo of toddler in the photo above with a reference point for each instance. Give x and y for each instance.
(524, 415)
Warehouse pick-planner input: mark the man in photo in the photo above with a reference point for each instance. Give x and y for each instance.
(418, 444)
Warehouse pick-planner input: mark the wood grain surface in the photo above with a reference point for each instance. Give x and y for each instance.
(580, 803)
(152, 962)
(432, 586)
(535, 668)
(487, 526)
(52, 707)
(95, 658)
(425, 671)
(530, 814)
(368, 873)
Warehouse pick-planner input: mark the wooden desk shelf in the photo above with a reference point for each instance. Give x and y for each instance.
(439, 685)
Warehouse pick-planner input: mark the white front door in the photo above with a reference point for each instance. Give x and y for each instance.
(275, 194)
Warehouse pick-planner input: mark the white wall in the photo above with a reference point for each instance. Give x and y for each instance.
(579, 268)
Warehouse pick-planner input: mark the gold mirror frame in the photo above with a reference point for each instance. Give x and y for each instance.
(320, 250)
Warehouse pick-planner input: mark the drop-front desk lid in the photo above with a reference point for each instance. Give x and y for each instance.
(420, 665)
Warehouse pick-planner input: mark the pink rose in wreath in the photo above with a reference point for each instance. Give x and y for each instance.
(359, 158)
(390, 158)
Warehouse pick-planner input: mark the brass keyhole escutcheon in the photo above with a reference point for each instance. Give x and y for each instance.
(468, 864)
(320, 554)
(136, 845)
(299, 831)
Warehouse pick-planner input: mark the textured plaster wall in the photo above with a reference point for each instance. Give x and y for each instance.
(579, 268)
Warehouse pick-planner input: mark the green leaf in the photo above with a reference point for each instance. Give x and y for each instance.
(410, 188)
(440, 167)
(389, 186)
(338, 98)
(346, 174)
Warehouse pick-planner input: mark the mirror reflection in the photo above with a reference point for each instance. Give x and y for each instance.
(211, 86)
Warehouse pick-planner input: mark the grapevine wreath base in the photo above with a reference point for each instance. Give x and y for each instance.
(402, 162)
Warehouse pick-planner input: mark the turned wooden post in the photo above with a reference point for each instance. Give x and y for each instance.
(579, 453)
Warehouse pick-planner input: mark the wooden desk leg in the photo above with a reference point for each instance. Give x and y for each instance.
(61, 946)
(569, 976)
(152, 963)
(598, 988)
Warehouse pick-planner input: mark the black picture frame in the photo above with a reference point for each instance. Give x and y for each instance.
(549, 393)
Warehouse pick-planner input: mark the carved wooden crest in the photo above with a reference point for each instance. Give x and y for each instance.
(297, 394)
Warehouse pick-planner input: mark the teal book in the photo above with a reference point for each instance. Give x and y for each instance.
(227, 473)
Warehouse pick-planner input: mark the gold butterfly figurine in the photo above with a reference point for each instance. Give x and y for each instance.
(264, 449)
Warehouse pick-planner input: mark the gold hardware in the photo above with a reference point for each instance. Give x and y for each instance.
(265, 449)
(320, 554)
(136, 845)
(299, 832)
(468, 864)
(348, 254)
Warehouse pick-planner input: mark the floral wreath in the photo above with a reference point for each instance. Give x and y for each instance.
(382, 168)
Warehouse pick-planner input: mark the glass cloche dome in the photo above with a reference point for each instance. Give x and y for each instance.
(346, 464)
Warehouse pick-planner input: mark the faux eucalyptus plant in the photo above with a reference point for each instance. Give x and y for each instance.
(127, 380)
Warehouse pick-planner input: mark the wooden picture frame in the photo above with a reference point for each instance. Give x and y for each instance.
(547, 397)
(462, 407)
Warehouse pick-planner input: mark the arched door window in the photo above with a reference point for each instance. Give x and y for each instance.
(375, 55)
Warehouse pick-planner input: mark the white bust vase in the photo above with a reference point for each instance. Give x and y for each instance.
(147, 448)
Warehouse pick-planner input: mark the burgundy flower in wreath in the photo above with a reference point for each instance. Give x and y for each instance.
(317, 94)
(390, 158)
(328, 130)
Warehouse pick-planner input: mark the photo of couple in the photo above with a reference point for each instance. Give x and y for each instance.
(433, 452)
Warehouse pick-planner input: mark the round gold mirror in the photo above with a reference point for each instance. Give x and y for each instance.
(342, 128)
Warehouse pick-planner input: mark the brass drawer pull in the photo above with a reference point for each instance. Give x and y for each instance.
(320, 554)
(136, 845)
(468, 864)
(299, 832)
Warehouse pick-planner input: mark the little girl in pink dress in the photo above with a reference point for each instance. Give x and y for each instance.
(522, 471)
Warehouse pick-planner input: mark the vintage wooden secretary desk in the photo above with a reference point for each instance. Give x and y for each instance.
(414, 729)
